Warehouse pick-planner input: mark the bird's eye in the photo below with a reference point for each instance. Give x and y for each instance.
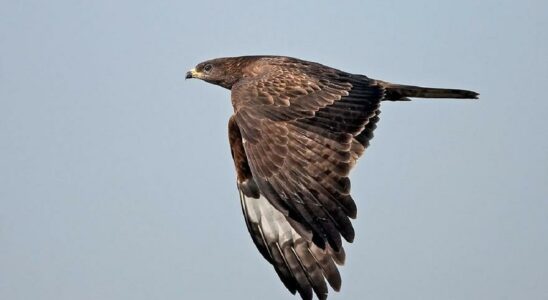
(208, 67)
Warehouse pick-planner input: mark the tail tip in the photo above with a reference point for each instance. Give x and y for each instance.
(466, 94)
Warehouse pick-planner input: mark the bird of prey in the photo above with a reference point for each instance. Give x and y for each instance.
(298, 128)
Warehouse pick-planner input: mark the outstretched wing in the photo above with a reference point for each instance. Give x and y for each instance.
(303, 127)
(297, 130)
(301, 265)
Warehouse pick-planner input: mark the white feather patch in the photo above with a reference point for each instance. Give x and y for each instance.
(273, 223)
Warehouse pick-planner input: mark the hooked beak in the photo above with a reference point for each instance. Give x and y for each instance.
(191, 74)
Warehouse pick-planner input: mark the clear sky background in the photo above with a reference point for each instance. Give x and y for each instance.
(116, 180)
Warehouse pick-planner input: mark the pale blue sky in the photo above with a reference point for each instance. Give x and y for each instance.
(116, 180)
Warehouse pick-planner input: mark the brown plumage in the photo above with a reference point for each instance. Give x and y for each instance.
(297, 130)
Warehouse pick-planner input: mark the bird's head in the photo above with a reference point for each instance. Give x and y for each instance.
(220, 71)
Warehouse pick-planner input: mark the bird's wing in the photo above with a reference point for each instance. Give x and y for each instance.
(301, 127)
(295, 135)
(301, 265)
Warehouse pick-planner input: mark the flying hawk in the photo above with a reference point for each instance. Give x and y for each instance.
(298, 128)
